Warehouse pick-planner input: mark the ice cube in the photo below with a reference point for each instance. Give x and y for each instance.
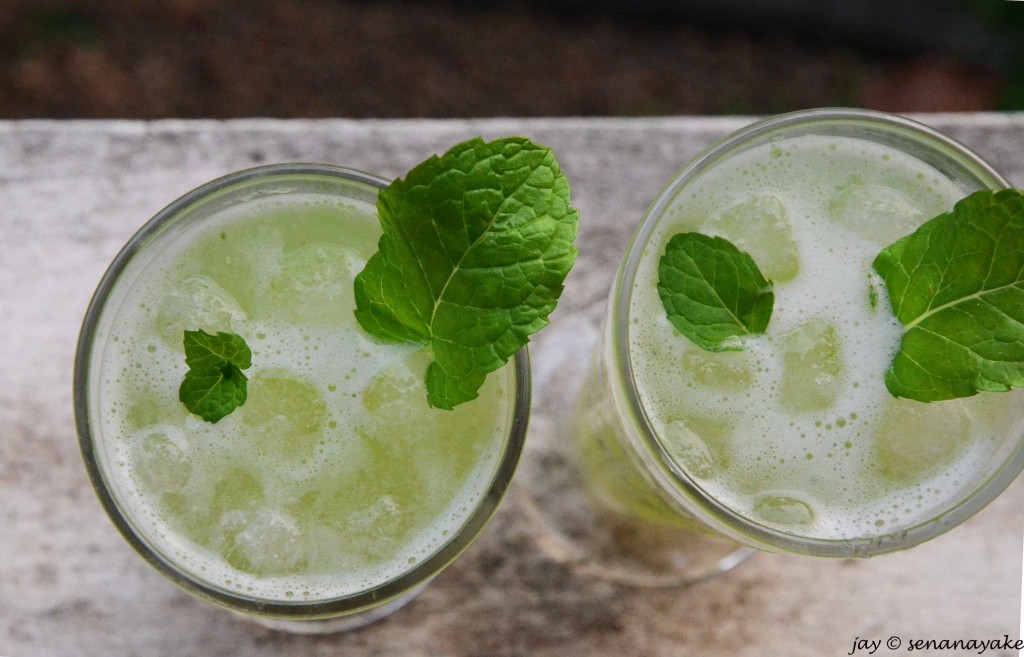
(373, 518)
(812, 375)
(727, 370)
(284, 410)
(875, 212)
(242, 261)
(391, 388)
(784, 510)
(175, 504)
(161, 463)
(914, 440)
(760, 226)
(196, 303)
(397, 403)
(380, 529)
(697, 444)
(262, 542)
(143, 411)
(376, 508)
(237, 490)
(314, 282)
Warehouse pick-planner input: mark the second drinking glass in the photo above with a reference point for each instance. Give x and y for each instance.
(793, 444)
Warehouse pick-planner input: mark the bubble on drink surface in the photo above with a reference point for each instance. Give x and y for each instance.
(812, 375)
(262, 542)
(760, 226)
(284, 410)
(698, 444)
(727, 370)
(162, 465)
(196, 303)
(914, 440)
(876, 213)
(784, 510)
(314, 282)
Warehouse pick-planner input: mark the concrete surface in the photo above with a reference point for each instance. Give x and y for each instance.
(72, 193)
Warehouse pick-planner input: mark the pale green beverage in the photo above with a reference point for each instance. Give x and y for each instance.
(794, 443)
(334, 488)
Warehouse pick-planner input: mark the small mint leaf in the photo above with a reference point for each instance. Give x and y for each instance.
(207, 352)
(214, 386)
(957, 286)
(215, 394)
(712, 291)
(475, 247)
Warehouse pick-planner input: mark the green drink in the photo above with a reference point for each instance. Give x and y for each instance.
(792, 443)
(335, 492)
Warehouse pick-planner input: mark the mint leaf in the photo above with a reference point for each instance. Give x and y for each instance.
(214, 386)
(712, 291)
(213, 395)
(475, 247)
(957, 286)
(208, 352)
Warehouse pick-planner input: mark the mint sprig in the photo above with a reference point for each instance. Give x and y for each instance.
(713, 292)
(214, 386)
(475, 247)
(957, 286)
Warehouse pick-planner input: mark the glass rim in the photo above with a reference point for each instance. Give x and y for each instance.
(686, 490)
(420, 573)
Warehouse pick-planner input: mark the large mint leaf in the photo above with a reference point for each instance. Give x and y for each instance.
(957, 286)
(475, 247)
(214, 386)
(713, 292)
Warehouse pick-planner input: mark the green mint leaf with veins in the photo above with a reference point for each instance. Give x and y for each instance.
(713, 292)
(214, 386)
(957, 286)
(475, 247)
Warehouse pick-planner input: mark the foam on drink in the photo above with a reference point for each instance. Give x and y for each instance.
(797, 431)
(335, 476)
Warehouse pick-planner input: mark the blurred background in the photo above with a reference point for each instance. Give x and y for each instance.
(436, 58)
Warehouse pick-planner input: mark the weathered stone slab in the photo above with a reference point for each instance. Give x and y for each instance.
(72, 193)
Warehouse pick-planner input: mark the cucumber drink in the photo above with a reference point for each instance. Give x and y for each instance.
(793, 443)
(335, 491)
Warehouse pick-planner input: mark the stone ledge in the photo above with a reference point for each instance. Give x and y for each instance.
(74, 192)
